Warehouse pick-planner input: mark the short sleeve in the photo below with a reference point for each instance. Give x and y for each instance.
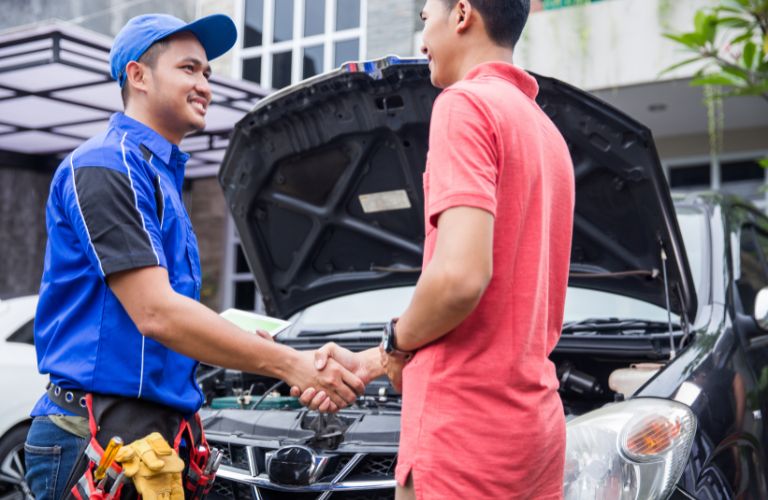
(114, 214)
(462, 160)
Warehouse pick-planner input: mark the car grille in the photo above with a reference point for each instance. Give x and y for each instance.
(377, 466)
(373, 472)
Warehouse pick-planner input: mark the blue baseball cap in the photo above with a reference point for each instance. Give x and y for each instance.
(217, 34)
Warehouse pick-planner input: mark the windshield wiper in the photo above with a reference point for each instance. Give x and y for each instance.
(613, 325)
(360, 328)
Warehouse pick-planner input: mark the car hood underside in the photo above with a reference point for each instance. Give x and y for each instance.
(324, 181)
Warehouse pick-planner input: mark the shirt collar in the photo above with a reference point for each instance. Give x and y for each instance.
(516, 76)
(141, 134)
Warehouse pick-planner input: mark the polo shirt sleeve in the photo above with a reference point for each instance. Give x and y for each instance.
(115, 215)
(462, 159)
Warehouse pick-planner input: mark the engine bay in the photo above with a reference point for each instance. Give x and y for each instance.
(587, 381)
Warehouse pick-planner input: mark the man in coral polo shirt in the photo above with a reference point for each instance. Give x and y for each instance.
(481, 415)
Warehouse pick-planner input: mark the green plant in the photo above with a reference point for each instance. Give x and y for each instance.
(730, 40)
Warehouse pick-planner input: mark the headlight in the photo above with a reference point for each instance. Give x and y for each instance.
(636, 449)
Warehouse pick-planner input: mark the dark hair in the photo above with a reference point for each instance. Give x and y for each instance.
(149, 57)
(504, 19)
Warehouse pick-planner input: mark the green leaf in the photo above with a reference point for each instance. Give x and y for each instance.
(697, 39)
(681, 63)
(749, 54)
(741, 38)
(740, 73)
(741, 91)
(735, 22)
(763, 162)
(717, 79)
(709, 30)
(699, 20)
(690, 40)
(725, 8)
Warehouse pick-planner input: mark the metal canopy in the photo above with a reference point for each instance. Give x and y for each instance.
(55, 92)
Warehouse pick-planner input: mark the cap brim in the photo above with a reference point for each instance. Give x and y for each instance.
(217, 34)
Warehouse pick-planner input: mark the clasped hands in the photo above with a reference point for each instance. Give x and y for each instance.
(339, 384)
(332, 377)
(365, 366)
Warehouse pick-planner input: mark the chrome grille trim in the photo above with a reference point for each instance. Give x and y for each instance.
(344, 472)
(262, 481)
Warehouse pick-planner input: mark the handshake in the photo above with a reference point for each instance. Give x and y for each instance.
(336, 376)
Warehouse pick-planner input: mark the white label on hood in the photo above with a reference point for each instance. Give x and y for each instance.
(385, 201)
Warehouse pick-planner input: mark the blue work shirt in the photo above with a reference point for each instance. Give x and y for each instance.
(115, 204)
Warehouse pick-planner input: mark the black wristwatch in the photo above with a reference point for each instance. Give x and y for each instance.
(389, 344)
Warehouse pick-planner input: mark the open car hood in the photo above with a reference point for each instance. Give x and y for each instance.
(324, 181)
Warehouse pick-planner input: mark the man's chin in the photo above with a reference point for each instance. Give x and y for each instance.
(435, 81)
(197, 125)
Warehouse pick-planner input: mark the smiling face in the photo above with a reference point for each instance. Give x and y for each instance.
(177, 89)
(439, 42)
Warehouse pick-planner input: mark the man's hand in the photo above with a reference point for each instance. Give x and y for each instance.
(339, 385)
(364, 365)
(394, 368)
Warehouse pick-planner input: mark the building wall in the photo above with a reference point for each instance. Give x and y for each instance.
(23, 193)
(207, 209)
(391, 27)
(226, 64)
(749, 140)
(607, 44)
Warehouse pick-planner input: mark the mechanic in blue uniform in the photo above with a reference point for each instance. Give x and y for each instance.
(119, 316)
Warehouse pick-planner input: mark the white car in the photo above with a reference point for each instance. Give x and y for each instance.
(20, 387)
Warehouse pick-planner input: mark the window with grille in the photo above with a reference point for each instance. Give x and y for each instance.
(286, 41)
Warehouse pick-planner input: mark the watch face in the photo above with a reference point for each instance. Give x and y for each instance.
(384, 340)
(387, 340)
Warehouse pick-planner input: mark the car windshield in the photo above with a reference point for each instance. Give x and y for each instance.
(378, 306)
(581, 304)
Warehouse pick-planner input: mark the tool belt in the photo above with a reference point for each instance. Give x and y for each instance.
(132, 419)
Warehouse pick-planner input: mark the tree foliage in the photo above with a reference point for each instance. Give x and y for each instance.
(731, 39)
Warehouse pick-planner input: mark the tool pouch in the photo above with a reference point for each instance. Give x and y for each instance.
(132, 419)
(86, 486)
(198, 479)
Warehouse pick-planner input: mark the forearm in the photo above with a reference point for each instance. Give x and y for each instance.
(370, 362)
(187, 327)
(192, 329)
(441, 301)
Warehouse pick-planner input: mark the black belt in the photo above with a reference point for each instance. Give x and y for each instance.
(69, 399)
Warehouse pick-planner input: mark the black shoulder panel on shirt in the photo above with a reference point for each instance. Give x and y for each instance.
(145, 152)
(159, 202)
(108, 203)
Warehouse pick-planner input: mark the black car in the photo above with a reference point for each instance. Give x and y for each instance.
(663, 359)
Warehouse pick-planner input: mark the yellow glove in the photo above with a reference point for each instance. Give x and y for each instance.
(154, 467)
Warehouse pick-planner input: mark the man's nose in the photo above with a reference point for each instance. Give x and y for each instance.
(203, 87)
(423, 49)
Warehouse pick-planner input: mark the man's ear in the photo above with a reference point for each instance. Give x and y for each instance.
(136, 75)
(465, 15)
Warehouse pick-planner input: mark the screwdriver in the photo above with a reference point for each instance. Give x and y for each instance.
(108, 457)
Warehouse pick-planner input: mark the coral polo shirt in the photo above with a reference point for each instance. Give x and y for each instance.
(481, 414)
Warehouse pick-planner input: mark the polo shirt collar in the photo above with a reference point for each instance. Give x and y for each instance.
(516, 76)
(139, 133)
